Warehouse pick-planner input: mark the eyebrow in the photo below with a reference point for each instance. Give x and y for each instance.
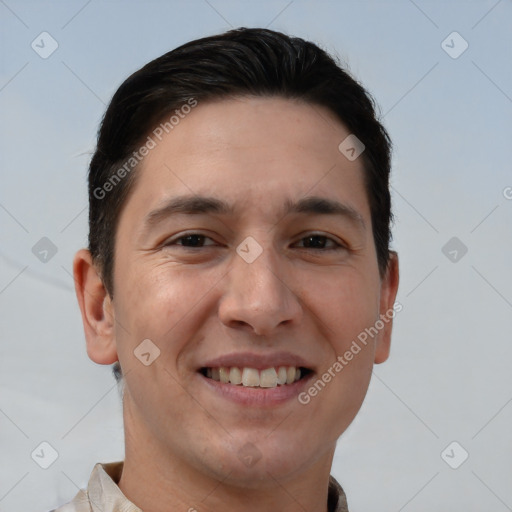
(193, 205)
(322, 206)
(189, 205)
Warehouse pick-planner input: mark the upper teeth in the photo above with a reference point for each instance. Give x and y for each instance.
(268, 378)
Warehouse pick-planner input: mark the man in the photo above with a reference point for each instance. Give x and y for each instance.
(238, 274)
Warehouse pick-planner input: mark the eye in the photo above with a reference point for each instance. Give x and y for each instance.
(191, 240)
(321, 242)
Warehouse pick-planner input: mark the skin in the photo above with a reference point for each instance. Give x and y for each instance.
(183, 440)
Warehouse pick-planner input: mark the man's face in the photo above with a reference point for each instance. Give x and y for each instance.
(271, 281)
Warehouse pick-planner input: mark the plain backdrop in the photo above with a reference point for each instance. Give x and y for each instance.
(446, 392)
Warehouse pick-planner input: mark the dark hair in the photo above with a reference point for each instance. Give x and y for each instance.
(241, 62)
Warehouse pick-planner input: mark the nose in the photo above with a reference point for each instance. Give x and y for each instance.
(258, 297)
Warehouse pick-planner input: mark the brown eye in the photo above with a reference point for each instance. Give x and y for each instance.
(191, 240)
(319, 242)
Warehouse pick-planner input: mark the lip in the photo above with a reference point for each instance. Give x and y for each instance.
(257, 397)
(257, 361)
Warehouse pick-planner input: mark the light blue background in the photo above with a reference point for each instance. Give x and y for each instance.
(448, 378)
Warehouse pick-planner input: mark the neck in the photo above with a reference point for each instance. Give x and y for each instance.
(157, 482)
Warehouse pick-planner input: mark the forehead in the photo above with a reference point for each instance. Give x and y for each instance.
(268, 125)
(249, 150)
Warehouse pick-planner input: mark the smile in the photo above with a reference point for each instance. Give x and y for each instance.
(254, 378)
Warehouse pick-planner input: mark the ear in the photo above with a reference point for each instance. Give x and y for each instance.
(96, 308)
(389, 288)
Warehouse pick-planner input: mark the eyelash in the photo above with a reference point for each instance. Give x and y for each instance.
(337, 246)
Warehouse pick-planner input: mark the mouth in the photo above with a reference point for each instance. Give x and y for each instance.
(247, 377)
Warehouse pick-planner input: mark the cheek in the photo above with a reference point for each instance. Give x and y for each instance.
(344, 303)
(163, 304)
(347, 304)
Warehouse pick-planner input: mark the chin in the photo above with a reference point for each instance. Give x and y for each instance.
(257, 465)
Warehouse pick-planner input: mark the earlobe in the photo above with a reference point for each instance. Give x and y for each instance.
(389, 289)
(96, 308)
